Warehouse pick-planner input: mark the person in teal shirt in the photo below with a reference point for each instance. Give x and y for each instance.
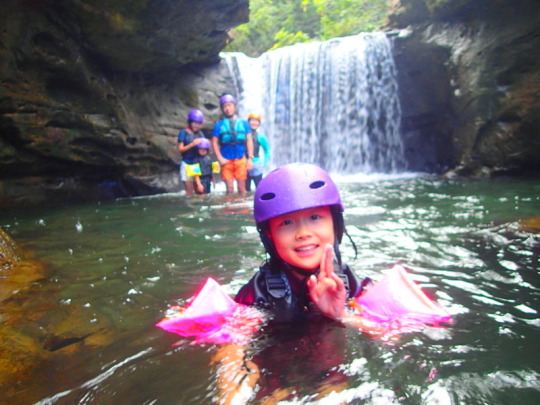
(259, 141)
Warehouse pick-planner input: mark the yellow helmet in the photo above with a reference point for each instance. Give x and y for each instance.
(254, 116)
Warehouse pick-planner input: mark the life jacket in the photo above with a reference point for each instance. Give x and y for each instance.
(190, 154)
(205, 163)
(256, 144)
(272, 291)
(232, 132)
(190, 136)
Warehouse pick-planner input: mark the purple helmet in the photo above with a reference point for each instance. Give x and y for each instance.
(195, 115)
(226, 98)
(294, 187)
(204, 144)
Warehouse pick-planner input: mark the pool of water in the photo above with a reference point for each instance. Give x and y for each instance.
(115, 267)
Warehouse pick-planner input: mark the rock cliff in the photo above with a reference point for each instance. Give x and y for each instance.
(470, 83)
(93, 93)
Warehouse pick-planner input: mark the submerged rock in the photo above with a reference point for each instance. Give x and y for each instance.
(20, 354)
(531, 225)
(33, 329)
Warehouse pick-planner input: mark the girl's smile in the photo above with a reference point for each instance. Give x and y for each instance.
(300, 236)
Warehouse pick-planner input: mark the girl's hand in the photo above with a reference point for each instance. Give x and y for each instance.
(196, 141)
(327, 290)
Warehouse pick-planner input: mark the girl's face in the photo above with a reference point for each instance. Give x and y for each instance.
(254, 123)
(300, 236)
(195, 126)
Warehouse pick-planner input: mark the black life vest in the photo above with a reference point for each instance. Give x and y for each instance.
(272, 291)
(256, 144)
(190, 154)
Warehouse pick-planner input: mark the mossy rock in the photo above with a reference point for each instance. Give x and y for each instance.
(20, 277)
(8, 251)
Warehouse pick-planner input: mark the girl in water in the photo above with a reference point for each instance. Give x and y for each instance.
(303, 286)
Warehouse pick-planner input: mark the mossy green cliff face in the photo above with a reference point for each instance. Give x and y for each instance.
(93, 93)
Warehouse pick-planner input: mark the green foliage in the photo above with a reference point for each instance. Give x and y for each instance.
(284, 38)
(278, 23)
(349, 17)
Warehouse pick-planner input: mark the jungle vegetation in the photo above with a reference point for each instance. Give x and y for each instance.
(277, 23)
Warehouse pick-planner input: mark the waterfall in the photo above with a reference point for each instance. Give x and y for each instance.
(332, 103)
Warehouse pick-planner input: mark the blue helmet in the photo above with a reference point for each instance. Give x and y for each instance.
(204, 144)
(226, 98)
(196, 116)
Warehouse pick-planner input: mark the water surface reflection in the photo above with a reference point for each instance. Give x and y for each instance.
(115, 267)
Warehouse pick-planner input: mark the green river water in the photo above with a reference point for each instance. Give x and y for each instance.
(117, 266)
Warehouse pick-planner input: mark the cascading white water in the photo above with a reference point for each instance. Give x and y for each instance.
(332, 103)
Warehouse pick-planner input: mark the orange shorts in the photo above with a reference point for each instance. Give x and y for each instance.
(235, 169)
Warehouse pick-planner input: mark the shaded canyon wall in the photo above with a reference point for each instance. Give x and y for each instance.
(469, 74)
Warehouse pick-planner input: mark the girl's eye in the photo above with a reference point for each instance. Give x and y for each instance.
(286, 222)
(315, 216)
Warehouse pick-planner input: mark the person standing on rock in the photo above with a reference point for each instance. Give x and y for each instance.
(188, 139)
(232, 142)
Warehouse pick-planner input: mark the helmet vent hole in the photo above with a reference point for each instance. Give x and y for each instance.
(316, 184)
(268, 196)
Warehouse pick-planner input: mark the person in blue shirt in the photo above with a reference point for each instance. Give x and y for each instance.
(259, 141)
(232, 142)
(188, 139)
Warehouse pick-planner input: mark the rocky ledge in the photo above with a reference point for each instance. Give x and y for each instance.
(469, 73)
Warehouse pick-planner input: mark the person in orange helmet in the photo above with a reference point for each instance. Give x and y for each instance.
(259, 141)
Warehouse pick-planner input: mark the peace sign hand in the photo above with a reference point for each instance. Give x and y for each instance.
(327, 290)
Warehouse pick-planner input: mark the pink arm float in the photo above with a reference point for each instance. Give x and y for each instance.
(212, 316)
(397, 298)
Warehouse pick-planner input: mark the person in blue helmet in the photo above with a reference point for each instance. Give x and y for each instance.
(188, 139)
(233, 146)
(203, 183)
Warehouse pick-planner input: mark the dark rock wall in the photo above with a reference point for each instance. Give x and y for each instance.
(426, 105)
(470, 78)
